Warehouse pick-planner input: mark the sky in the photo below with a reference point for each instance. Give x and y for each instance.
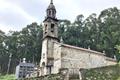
(17, 14)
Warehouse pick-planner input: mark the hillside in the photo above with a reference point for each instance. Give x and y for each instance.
(104, 73)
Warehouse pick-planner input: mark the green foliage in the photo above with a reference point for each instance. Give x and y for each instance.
(7, 77)
(47, 77)
(100, 33)
(26, 43)
(118, 47)
(110, 30)
(104, 73)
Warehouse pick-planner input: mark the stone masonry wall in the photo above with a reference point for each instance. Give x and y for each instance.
(75, 58)
(57, 57)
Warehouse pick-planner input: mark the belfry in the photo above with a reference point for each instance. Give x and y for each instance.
(50, 35)
(50, 28)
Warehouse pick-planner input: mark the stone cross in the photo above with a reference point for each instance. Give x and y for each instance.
(61, 40)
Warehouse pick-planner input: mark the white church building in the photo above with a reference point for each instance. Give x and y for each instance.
(56, 55)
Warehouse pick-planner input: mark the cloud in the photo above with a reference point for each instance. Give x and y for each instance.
(66, 9)
(16, 14)
(13, 16)
(6, 28)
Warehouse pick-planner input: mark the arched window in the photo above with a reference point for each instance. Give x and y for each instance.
(53, 13)
(43, 55)
(45, 28)
(43, 64)
(50, 12)
(52, 27)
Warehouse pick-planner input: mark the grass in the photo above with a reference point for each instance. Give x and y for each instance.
(103, 73)
(118, 78)
(7, 77)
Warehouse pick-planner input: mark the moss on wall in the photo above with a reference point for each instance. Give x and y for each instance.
(47, 77)
(103, 73)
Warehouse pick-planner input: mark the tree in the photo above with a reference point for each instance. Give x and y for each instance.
(3, 53)
(110, 30)
(30, 41)
(23, 44)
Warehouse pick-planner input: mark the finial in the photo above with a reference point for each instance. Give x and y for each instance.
(104, 52)
(89, 47)
(115, 57)
(24, 60)
(61, 40)
(51, 2)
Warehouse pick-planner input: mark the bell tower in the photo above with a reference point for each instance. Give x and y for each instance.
(50, 35)
(50, 28)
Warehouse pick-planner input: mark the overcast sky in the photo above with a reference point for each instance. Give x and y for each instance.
(16, 14)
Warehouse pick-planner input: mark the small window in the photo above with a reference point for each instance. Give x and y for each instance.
(52, 27)
(45, 28)
(49, 12)
(43, 55)
(43, 64)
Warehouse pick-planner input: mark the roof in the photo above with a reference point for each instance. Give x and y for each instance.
(51, 6)
(49, 18)
(110, 59)
(83, 49)
(87, 50)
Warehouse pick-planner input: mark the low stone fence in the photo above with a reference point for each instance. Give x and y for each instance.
(102, 73)
(47, 77)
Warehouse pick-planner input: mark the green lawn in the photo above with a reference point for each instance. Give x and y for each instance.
(118, 78)
(7, 77)
(102, 73)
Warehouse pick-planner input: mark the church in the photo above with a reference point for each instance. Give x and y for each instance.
(57, 55)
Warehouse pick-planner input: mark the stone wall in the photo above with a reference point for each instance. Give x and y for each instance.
(110, 61)
(73, 57)
(43, 60)
(102, 73)
(57, 57)
(47, 77)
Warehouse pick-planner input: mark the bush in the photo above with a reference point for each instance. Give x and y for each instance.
(103, 73)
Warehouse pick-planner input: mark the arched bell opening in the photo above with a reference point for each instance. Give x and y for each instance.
(43, 64)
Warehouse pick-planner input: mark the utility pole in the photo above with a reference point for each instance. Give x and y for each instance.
(9, 63)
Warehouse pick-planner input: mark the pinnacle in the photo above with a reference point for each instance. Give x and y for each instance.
(51, 2)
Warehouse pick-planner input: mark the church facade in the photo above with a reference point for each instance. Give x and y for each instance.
(56, 55)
